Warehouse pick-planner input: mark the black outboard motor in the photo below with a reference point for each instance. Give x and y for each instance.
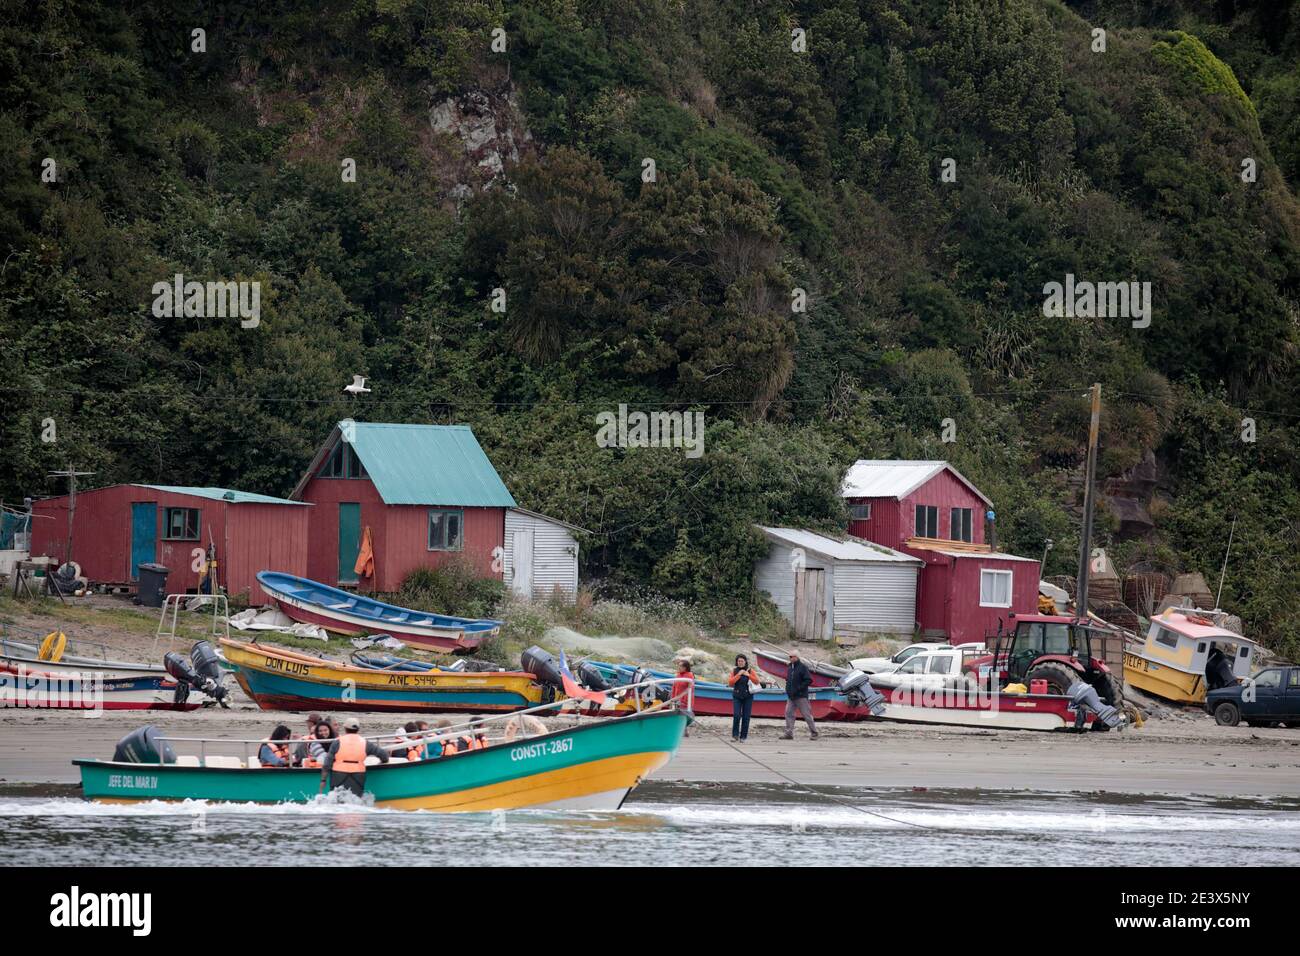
(543, 666)
(1085, 699)
(144, 745)
(856, 688)
(202, 672)
(590, 677)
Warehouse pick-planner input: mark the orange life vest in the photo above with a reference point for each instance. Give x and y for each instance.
(351, 755)
(415, 752)
(281, 751)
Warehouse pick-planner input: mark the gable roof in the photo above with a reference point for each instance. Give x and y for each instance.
(222, 494)
(876, 478)
(846, 548)
(419, 464)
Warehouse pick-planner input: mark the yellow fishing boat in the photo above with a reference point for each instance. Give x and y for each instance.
(1186, 653)
(280, 679)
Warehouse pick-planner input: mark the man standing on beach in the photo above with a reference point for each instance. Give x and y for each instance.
(797, 681)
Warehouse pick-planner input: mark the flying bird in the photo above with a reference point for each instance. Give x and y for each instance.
(357, 387)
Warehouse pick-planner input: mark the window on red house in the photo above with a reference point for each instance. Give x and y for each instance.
(860, 512)
(927, 521)
(960, 528)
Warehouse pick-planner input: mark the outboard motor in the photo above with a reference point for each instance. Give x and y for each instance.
(202, 672)
(856, 688)
(144, 745)
(590, 677)
(543, 666)
(1085, 699)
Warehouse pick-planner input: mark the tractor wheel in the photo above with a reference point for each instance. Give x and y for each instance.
(1227, 714)
(1058, 676)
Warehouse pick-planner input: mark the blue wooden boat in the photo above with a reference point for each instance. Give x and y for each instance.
(341, 612)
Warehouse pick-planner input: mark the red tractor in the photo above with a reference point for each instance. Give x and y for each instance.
(1055, 649)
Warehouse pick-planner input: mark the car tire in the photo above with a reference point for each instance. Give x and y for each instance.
(1227, 714)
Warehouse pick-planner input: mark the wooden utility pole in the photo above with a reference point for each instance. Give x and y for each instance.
(72, 475)
(1085, 538)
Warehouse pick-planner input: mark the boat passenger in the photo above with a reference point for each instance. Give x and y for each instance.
(477, 735)
(275, 751)
(744, 680)
(344, 765)
(301, 751)
(415, 747)
(448, 743)
(320, 742)
(684, 693)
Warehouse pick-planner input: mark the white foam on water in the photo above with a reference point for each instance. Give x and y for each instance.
(1095, 820)
(325, 805)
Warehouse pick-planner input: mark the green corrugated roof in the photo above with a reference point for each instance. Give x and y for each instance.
(428, 465)
(223, 494)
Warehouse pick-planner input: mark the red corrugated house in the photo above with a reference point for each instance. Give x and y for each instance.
(427, 493)
(929, 510)
(120, 527)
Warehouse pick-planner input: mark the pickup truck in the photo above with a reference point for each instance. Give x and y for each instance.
(934, 669)
(1271, 696)
(887, 665)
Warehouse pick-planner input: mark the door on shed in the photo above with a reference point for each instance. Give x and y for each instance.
(810, 604)
(349, 540)
(521, 553)
(144, 536)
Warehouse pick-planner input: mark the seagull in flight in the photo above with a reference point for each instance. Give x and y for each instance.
(357, 387)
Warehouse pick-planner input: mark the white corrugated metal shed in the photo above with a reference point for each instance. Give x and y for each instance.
(840, 549)
(540, 556)
(882, 478)
(828, 585)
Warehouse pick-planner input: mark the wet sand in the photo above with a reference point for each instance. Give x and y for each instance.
(1167, 757)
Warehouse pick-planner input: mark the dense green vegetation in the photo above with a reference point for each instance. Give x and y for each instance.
(775, 171)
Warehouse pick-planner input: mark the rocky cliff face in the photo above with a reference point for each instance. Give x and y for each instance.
(489, 130)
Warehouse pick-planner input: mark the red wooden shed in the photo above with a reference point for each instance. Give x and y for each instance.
(427, 494)
(120, 527)
(929, 510)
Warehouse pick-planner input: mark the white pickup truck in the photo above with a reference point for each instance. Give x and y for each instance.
(932, 669)
(887, 665)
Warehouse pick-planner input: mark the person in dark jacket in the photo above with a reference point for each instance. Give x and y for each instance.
(797, 681)
(744, 681)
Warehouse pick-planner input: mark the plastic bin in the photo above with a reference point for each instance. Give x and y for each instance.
(153, 585)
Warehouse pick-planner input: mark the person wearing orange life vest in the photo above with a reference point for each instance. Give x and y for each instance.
(416, 749)
(344, 765)
(274, 752)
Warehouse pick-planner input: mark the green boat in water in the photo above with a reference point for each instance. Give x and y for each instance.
(592, 766)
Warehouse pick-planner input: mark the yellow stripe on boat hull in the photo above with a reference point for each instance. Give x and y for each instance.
(551, 786)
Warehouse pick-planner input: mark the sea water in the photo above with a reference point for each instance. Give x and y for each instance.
(671, 824)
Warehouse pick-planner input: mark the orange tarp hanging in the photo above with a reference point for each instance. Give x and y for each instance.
(365, 565)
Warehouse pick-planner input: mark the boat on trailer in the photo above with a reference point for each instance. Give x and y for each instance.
(338, 611)
(961, 705)
(280, 679)
(591, 766)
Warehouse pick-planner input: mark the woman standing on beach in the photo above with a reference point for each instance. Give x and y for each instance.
(744, 681)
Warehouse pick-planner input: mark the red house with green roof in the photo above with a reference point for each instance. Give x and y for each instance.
(427, 493)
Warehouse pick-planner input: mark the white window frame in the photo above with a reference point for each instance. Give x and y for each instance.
(1009, 575)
